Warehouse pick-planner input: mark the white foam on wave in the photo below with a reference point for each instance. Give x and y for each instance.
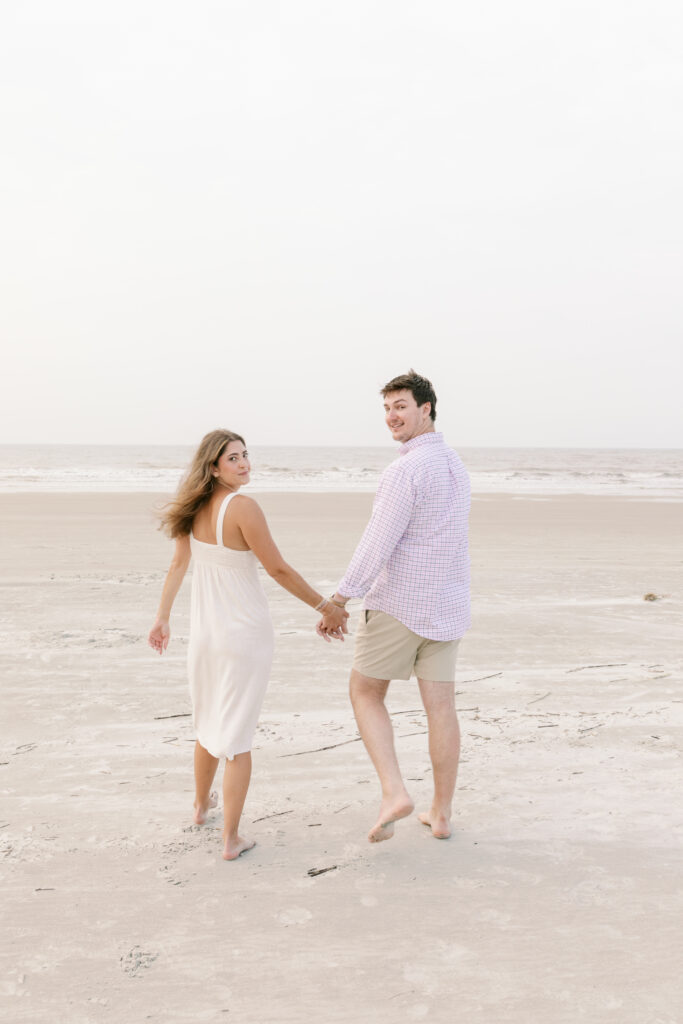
(519, 472)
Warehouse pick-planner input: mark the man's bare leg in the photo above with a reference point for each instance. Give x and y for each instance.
(374, 725)
(235, 785)
(205, 765)
(444, 752)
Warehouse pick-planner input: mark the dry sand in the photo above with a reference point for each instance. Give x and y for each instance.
(559, 896)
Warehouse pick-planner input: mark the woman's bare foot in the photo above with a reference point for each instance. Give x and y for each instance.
(201, 810)
(389, 812)
(234, 847)
(439, 824)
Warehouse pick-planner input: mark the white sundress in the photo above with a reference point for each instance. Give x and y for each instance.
(231, 644)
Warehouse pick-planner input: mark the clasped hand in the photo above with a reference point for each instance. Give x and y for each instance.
(332, 625)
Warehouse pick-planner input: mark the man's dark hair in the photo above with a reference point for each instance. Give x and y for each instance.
(420, 387)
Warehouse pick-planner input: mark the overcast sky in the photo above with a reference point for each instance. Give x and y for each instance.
(252, 214)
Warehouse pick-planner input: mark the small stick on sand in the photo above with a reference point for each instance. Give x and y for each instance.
(615, 664)
(317, 750)
(278, 814)
(480, 678)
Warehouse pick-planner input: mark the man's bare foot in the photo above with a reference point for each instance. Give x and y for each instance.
(234, 847)
(439, 824)
(389, 812)
(200, 810)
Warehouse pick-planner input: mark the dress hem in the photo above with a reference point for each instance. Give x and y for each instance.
(229, 756)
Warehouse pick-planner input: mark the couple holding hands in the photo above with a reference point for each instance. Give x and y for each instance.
(411, 567)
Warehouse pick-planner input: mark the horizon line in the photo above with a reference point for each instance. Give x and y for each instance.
(389, 446)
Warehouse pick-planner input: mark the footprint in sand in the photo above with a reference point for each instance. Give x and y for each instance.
(136, 959)
(294, 915)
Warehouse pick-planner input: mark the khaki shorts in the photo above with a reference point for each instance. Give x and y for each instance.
(386, 649)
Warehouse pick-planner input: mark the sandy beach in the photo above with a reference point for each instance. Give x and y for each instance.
(558, 897)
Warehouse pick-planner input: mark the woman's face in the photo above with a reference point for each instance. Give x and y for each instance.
(232, 468)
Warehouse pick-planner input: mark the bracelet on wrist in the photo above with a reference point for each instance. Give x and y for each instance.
(339, 604)
(320, 605)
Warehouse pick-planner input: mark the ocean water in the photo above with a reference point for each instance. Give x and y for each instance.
(539, 471)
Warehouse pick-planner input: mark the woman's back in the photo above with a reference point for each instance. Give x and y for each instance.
(231, 641)
(205, 523)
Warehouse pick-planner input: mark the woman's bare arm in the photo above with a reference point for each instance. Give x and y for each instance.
(250, 519)
(160, 633)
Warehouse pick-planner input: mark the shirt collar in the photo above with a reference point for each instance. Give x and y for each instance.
(431, 437)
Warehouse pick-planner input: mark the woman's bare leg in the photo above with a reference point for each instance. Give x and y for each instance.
(235, 785)
(205, 765)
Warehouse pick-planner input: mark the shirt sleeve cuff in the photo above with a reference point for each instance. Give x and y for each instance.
(347, 589)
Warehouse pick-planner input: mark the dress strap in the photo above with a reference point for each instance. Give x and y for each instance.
(221, 516)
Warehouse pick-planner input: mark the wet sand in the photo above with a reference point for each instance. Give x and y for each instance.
(558, 897)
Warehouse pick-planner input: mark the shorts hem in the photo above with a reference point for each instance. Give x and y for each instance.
(372, 675)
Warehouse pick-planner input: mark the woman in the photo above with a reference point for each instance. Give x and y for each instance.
(231, 634)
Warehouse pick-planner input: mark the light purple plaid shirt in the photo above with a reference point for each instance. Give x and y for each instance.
(413, 561)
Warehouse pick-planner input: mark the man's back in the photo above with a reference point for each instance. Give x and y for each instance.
(414, 552)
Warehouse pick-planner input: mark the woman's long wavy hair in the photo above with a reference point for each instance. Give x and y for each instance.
(197, 485)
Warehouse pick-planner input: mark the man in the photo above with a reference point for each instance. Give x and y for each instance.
(412, 569)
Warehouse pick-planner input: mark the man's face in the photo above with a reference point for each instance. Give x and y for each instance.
(404, 417)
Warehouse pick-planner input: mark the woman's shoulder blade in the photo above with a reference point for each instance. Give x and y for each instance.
(245, 507)
(244, 501)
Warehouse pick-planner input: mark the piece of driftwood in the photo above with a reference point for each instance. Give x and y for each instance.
(320, 871)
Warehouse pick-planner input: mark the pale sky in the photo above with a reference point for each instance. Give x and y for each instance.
(252, 214)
